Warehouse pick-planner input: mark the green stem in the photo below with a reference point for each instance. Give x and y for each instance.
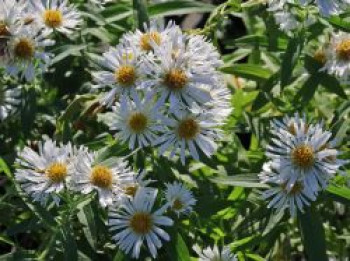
(140, 13)
(313, 235)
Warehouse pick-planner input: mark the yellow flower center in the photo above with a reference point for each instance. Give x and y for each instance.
(145, 41)
(303, 156)
(178, 205)
(175, 79)
(101, 177)
(24, 48)
(188, 129)
(291, 128)
(3, 30)
(138, 122)
(320, 56)
(141, 223)
(296, 189)
(126, 75)
(343, 49)
(57, 172)
(53, 18)
(131, 190)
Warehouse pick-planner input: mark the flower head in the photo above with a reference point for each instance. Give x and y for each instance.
(213, 254)
(9, 100)
(179, 198)
(135, 222)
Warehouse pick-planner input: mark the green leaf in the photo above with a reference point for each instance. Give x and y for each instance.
(289, 61)
(70, 245)
(177, 249)
(4, 168)
(308, 90)
(256, 40)
(332, 84)
(341, 194)
(178, 8)
(241, 180)
(313, 235)
(339, 23)
(248, 71)
(140, 13)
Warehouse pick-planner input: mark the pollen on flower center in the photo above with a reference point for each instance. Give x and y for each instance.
(53, 18)
(303, 156)
(101, 177)
(188, 129)
(296, 189)
(24, 48)
(320, 56)
(141, 223)
(126, 75)
(343, 49)
(178, 205)
(145, 41)
(131, 190)
(175, 79)
(57, 172)
(138, 122)
(3, 29)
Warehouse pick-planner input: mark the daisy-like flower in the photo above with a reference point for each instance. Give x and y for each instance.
(122, 73)
(154, 35)
(107, 178)
(136, 122)
(138, 182)
(338, 56)
(177, 74)
(302, 151)
(179, 198)
(10, 14)
(330, 7)
(283, 196)
(45, 172)
(9, 100)
(56, 15)
(213, 254)
(190, 128)
(135, 222)
(26, 51)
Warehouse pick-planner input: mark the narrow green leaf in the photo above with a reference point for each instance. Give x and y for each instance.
(256, 40)
(342, 193)
(289, 61)
(307, 91)
(313, 235)
(242, 180)
(332, 84)
(177, 249)
(248, 71)
(339, 23)
(178, 8)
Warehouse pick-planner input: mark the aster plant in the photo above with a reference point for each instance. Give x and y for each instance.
(131, 131)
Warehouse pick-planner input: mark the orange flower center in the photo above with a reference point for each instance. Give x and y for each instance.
(343, 49)
(101, 177)
(53, 18)
(145, 41)
(126, 75)
(175, 79)
(24, 48)
(303, 156)
(188, 129)
(141, 223)
(138, 122)
(57, 172)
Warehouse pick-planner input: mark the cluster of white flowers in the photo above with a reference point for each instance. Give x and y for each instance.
(303, 159)
(25, 28)
(213, 254)
(51, 168)
(286, 14)
(165, 91)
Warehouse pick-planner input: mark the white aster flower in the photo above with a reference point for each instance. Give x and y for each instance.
(154, 35)
(122, 73)
(179, 198)
(56, 15)
(45, 172)
(136, 122)
(213, 254)
(286, 20)
(302, 151)
(26, 53)
(190, 128)
(135, 222)
(283, 196)
(139, 182)
(330, 7)
(107, 178)
(338, 56)
(9, 101)
(177, 74)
